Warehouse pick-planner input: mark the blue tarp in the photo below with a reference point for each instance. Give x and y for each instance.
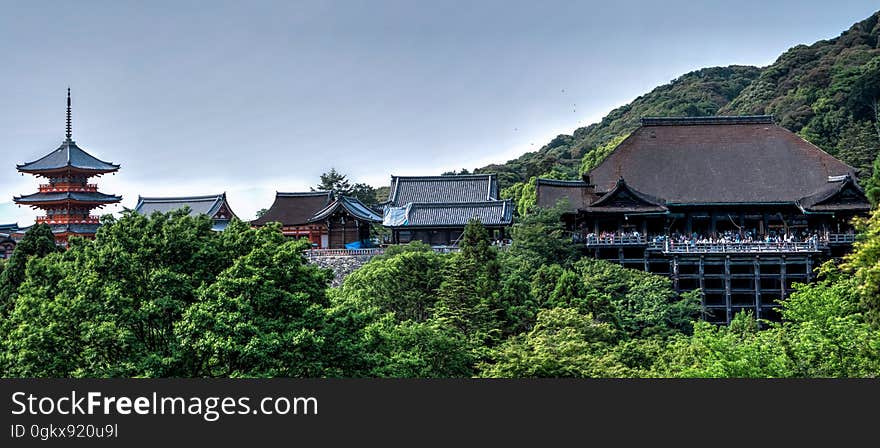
(396, 216)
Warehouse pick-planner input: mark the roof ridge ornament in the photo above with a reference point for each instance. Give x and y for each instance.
(69, 133)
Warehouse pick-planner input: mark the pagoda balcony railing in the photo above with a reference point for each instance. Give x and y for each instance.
(68, 219)
(65, 187)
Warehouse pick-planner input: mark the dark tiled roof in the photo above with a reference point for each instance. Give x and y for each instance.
(625, 199)
(207, 205)
(443, 189)
(575, 193)
(839, 195)
(9, 228)
(94, 197)
(490, 213)
(684, 121)
(68, 155)
(350, 204)
(292, 209)
(718, 160)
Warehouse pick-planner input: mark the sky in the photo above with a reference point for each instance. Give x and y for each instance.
(250, 98)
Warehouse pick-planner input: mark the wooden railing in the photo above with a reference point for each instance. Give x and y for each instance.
(314, 253)
(614, 241)
(665, 245)
(64, 187)
(68, 219)
(372, 252)
(841, 238)
(742, 247)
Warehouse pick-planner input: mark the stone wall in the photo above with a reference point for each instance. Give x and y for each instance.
(341, 265)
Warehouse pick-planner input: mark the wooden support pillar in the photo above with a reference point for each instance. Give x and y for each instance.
(728, 300)
(645, 259)
(675, 273)
(782, 274)
(689, 225)
(620, 255)
(757, 287)
(702, 281)
(809, 268)
(713, 223)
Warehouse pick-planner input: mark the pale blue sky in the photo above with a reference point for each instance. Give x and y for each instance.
(254, 97)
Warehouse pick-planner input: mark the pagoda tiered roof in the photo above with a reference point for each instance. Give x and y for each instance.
(69, 196)
(68, 156)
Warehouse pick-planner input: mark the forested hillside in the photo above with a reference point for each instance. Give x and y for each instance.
(827, 92)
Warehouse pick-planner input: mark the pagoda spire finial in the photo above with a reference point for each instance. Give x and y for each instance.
(68, 114)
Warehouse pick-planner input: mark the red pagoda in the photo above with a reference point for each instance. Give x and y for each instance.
(68, 199)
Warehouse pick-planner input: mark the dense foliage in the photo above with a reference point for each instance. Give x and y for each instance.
(165, 295)
(827, 92)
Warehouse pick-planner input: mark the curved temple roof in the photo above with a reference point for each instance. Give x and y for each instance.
(350, 204)
(716, 160)
(208, 205)
(457, 188)
(90, 197)
(420, 214)
(295, 208)
(68, 156)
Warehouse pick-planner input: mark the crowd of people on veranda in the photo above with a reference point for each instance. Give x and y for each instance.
(725, 237)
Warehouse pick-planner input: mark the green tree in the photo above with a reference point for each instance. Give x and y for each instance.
(872, 186)
(365, 193)
(466, 299)
(720, 352)
(403, 283)
(262, 316)
(38, 241)
(336, 182)
(563, 343)
(411, 349)
(540, 238)
(638, 303)
(864, 263)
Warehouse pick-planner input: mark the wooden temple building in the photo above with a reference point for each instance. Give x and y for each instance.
(215, 206)
(435, 209)
(327, 220)
(736, 207)
(67, 198)
(9, 236)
